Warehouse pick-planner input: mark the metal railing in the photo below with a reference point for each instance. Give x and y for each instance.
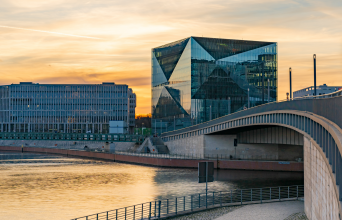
(263, 157)
(187, 204)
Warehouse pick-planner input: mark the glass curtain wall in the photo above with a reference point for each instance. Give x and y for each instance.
(199, 79)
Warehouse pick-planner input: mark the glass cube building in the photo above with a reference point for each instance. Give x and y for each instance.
(66, 108)
(198, 79)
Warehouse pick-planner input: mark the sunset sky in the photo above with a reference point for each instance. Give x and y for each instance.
(88, 41)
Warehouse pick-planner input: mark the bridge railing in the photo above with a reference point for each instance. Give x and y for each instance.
(197, 202)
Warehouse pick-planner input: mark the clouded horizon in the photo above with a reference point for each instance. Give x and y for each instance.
(74, 41)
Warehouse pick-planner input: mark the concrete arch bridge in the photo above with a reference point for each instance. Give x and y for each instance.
(312, 124)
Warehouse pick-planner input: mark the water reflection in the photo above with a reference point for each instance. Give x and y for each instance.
(64, 188)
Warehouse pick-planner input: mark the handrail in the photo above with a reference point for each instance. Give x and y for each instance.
(186, 204)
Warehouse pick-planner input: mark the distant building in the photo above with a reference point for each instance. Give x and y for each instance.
(321, 90)
(67, 108)
(197, 79)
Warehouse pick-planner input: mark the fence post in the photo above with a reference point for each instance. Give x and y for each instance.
(142, 212)
(191, 202)
(125, 213)
(150, 211)
(167, 206)
(176, 206)
(251, 195)
(221, 199)
(231, 196)
(270, 193)
(107, 215)
(279, 193)
(159, 209)
(213, 198)
(133, 214)
(297, 192)
(261, 195)
(184, 203)
(116, 215)
(241, 195)
(199, 200)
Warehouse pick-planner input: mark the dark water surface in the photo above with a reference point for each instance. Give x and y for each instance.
(41, 186)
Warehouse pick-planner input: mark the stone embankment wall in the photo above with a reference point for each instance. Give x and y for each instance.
(321, 201)
(165, 162)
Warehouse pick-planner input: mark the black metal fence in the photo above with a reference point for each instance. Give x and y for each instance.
(187, 204)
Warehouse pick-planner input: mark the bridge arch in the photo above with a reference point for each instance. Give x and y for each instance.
(322, 145)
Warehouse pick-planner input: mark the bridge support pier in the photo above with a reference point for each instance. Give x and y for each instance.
(321, 201)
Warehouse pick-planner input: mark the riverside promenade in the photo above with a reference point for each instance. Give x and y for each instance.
(160, 160)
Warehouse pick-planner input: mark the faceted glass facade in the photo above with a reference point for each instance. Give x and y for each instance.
(65, 108)
(198, 79)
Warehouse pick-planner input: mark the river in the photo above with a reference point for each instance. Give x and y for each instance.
(41, 186)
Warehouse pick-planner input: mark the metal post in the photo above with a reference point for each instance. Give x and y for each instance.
(125, 213)
(149, 215)
(176, 205)
(231, 196)
(133, 214)
(155, 208)
(279, 193)
(199, 200)
(290, 72)
(241, 195)
(184, 203)
(107, 215)
(221, 199)
(213, 198)
(314, 60)
(261, 195)
(167, 206)
(210, 113)
(229, 107)
(251, 195)
(116, 215)
(191, 202)
(270, 193)
(297, 192)
(97, 216)
(159, 209)
(206, 184)
(288, 192)
(268, 90)
(248, 98)
(174, 122)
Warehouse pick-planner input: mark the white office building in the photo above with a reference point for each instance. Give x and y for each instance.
(321, 90)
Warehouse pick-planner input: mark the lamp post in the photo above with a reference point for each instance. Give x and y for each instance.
(290, 72)
(314, 62)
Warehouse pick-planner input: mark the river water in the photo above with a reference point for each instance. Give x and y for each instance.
(40, 186)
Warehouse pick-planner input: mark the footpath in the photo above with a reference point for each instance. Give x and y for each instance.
(290, 210)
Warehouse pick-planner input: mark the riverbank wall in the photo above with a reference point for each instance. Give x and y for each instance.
(165, 162)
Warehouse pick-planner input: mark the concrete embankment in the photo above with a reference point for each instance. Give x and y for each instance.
(165, 162)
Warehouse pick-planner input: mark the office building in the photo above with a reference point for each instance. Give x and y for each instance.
(321, 90)
(197, 79)
(67, 108)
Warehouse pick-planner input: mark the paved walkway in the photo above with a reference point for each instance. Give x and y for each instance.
(266, 211)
